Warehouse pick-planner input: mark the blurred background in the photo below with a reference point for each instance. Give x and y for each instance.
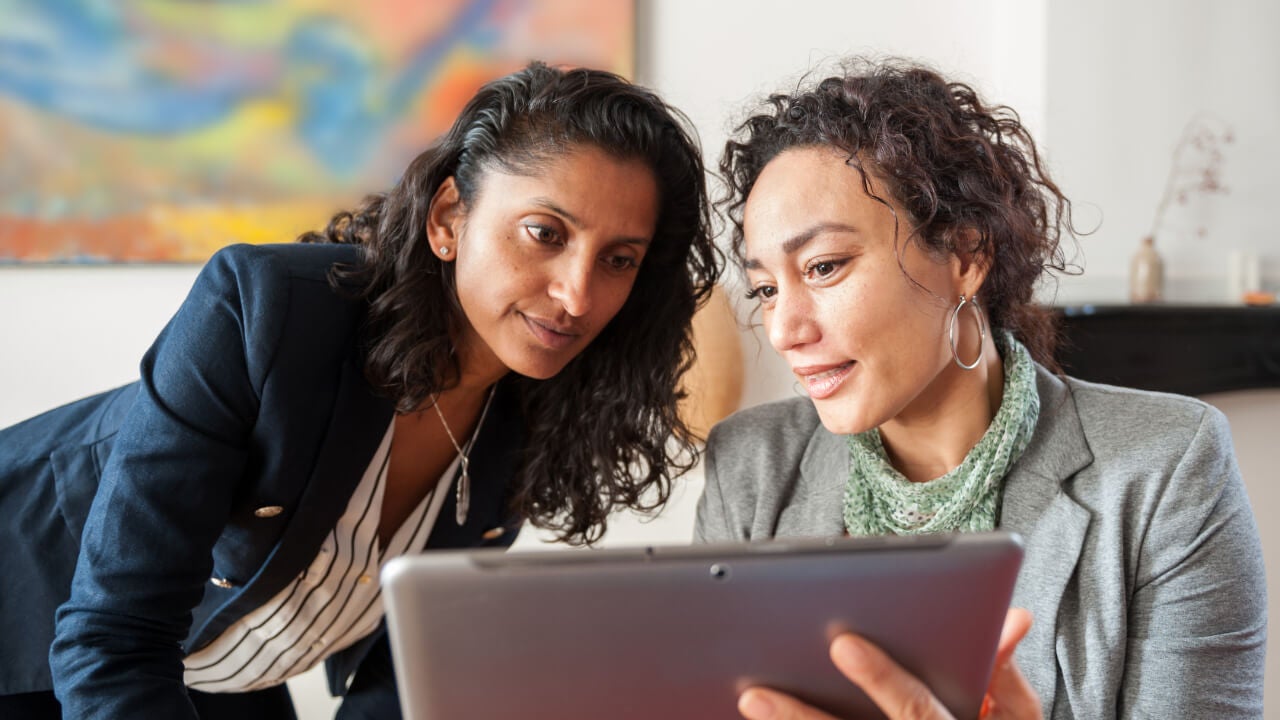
(138, 136)
(160, 131)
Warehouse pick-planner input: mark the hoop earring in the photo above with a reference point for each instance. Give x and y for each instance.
(982, 331)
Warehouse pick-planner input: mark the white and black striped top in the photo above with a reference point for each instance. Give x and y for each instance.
(330, 606)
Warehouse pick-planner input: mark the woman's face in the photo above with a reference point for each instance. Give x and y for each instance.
(544, 260)
(866, 343)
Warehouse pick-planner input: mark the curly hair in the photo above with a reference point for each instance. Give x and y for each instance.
(967, 174)
(604, 433)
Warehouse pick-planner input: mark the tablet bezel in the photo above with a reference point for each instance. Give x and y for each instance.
(679, 631)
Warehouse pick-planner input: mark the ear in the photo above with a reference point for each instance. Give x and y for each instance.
(444, 220)
(969, 266)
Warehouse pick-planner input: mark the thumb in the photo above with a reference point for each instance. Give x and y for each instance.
(1009, 695)
(1016, 625)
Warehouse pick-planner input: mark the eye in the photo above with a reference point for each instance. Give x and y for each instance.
(762, 293)
(543, 233)
(822, 268)
(622, 262)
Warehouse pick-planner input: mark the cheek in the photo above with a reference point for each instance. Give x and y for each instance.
(615, 294)
(918, 351)
(855, 313)
(489, 267)
(897, 329)
(498, 252)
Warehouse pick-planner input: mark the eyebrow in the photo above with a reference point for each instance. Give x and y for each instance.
(793, 244)
(573, 220)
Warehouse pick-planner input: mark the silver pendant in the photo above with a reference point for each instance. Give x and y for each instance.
(462, 497)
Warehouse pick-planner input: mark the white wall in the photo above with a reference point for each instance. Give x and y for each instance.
(65, 332)
(1123, 79)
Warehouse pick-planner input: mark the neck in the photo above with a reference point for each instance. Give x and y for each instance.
(478, 367)
(932, 436)
(478, 370)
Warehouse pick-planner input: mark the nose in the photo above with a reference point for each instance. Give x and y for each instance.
(571, 283)
(791, 322)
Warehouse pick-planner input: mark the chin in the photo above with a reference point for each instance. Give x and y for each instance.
(537, 368)
(840, 423)
(539, 375)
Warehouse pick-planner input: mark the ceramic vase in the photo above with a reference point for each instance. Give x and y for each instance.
(1146, 273)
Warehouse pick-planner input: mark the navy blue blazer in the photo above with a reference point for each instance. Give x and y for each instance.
(252, 396)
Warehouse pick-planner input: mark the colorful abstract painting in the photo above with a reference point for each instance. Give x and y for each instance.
(161, 130)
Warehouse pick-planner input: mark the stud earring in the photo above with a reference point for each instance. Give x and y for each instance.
(444, 249)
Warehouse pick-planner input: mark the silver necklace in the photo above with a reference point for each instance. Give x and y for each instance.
(462, 497)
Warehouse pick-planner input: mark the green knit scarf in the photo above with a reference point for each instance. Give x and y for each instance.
(879, 501)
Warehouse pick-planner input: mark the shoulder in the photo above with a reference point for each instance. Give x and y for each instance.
(264, 285)
(1147, 455)
(1118, 451)
(762, 448)
(267, 264)
(773, 430)
(1144, 425)
(772, 471)
(752, 461)
(261, 298)
(1097, 402)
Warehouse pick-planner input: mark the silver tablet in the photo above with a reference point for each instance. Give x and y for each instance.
(679, 632)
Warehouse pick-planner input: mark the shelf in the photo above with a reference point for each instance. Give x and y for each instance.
(1181, 348)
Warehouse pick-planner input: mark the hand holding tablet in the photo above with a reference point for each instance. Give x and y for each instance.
(900, 694)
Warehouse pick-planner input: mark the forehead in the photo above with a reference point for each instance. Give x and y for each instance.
(579, 168)
(805, 187)
(592, 185)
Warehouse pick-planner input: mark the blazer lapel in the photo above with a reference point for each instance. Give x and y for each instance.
(356, 426)
(1053, 525)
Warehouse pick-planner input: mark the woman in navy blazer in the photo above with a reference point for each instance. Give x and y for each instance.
(529, 283)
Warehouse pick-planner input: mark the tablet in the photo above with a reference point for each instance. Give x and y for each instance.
(680, 631)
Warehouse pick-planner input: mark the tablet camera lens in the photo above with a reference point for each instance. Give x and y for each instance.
(720, 572)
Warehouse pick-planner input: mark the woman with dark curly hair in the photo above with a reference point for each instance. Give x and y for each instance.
(893, 228)
(499, 338)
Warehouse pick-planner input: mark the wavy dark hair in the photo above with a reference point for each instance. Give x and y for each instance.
(967, 173)
(604, 433)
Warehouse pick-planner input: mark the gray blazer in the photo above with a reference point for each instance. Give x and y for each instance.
(1143, 568)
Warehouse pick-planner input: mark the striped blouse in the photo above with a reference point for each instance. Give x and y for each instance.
(335, 602)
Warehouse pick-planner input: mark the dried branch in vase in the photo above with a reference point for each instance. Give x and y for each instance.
(1196, 167)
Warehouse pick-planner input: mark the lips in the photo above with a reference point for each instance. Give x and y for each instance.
(551, 334)
(822, 381)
